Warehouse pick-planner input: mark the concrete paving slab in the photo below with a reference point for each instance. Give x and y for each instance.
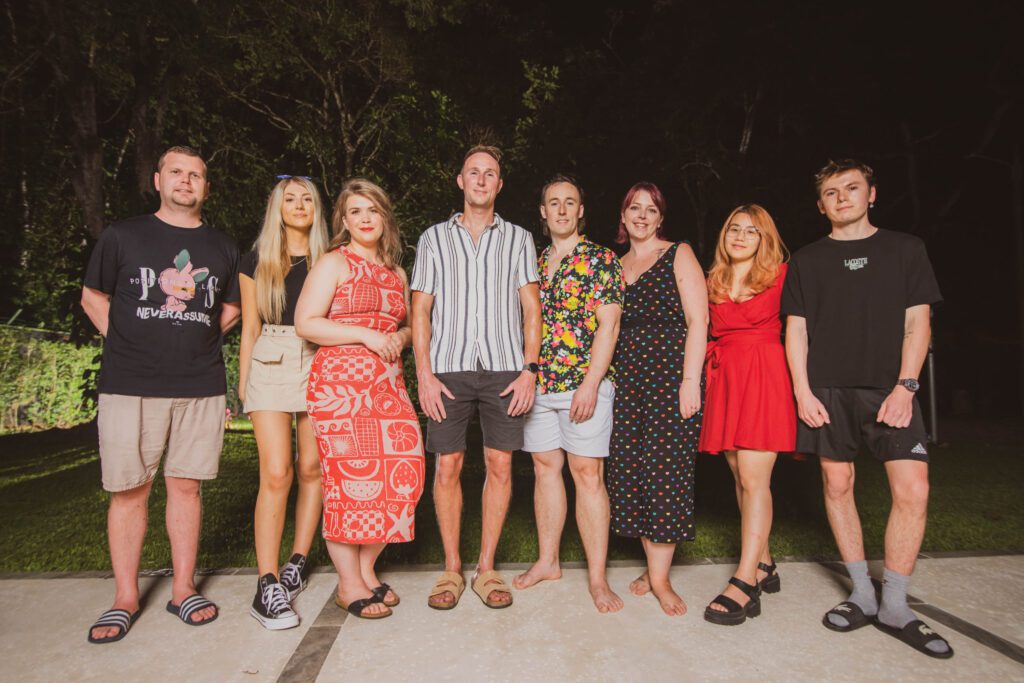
(46, 640)
(975, 589)
(553, 632)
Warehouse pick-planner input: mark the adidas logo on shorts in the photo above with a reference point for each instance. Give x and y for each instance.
(919, 449)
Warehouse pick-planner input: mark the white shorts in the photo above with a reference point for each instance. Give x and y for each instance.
(548, 426)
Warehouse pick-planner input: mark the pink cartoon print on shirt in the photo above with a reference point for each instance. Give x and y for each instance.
(179, 282)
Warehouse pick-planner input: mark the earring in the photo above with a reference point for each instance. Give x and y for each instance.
(871, 205)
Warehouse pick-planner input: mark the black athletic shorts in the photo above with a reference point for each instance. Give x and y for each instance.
(853, 428)
(476, 391)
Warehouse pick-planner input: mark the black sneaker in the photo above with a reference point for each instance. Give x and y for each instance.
(270, 606)
(295, 575)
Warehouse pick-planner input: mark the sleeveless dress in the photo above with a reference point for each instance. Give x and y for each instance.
(651, 465)
(749, 402)
(367, 432)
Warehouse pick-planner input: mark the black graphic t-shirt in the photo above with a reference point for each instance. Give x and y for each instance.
(293, 282)
(166, 287)
(854, 295)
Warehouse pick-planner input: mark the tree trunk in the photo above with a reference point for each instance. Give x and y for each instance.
(1017, 197)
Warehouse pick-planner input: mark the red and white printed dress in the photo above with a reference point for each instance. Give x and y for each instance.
(371, 449)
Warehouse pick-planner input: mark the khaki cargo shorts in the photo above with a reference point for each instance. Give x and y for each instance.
(135, 431)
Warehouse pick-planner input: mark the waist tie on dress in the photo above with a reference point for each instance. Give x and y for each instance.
(746, 338)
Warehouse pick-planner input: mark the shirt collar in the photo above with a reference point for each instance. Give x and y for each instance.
(456, 222)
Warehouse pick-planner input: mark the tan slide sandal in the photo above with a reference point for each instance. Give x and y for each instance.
(449, 582)
(486, 583)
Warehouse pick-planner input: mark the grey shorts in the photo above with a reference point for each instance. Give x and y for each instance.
(476, 391)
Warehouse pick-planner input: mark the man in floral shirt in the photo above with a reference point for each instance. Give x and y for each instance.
(581, 293)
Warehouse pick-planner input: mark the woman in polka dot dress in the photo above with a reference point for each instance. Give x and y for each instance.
(658, 391)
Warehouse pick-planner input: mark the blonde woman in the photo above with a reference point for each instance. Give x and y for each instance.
(749, 413)
(273, 370)
(354, 305)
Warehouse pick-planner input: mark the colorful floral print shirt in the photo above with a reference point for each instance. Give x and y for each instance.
(587, 278)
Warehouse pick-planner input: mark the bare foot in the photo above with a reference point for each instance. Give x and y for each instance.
(540, 571)
(733, 592)
(441, 599)
(110, 631)
(641, 585)
(671, 603)
(605, 600)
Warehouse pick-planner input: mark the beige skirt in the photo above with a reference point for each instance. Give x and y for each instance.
(279, 371)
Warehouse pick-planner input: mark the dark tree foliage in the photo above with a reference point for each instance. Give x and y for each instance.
(719, 103)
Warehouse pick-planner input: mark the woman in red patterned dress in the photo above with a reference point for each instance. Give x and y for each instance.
(354, 305)
(749, 412)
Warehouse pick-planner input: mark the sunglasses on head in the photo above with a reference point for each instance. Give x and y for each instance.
(285, 176)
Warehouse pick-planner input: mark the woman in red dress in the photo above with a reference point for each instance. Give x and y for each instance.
(749, 414)
(354, 305)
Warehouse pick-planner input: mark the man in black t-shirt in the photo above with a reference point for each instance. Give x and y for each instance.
(858, 306)
(162, 289)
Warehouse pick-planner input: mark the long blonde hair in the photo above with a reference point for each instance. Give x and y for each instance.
(390, 246)
(273, 262)
(771, 253)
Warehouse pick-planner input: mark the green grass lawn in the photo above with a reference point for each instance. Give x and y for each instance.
(54, 510)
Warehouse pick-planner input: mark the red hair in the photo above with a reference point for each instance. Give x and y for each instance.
(659, 201)
(771, 253)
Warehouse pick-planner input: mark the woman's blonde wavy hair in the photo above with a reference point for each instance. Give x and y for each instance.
(771, 253)
(390, 246)
(271, 248)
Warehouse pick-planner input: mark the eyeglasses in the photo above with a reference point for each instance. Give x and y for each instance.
(289, 177)
(748, 233)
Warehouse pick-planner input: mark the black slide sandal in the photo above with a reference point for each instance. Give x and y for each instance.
(917, 635)
(850, 611)
(118, 618)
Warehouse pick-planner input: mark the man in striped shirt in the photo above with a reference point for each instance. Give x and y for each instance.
(476, 335)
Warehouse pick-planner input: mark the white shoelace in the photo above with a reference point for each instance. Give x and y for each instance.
(290, 575)
(275, 598)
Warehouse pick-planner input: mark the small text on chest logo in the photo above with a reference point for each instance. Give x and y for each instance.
(856, 263)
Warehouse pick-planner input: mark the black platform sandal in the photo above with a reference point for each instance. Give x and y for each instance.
(770, 583)
(736, 613)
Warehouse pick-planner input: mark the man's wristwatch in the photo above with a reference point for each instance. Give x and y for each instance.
(911, 385)
(531, 367)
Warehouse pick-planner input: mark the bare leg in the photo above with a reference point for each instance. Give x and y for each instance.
(766, 556)
(659, 563)
(273, 432)
(842, 509)
(754, 491)
(496, 497)
(184, 514)
(448, 504)
(549, 507)
(351, 586)
(908, 481)
(309, 503)
(368, 555)
(126, 529)
(592, 517)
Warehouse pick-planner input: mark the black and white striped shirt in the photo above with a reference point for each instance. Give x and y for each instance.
(477, 316)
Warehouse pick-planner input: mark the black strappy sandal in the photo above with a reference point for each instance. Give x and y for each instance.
(770, 583)
(736, 613)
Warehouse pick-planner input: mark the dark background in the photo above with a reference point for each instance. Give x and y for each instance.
(716, 103)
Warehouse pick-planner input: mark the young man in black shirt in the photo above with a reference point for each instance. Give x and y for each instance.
(162, 289)
(858, 308)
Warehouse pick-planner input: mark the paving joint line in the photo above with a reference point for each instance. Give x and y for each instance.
(962, 626)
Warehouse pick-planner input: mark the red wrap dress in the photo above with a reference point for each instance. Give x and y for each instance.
(371, 449)
(749, 402)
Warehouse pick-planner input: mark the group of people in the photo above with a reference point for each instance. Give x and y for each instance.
(577, 356)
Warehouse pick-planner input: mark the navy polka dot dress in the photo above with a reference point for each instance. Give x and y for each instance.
(650, 468)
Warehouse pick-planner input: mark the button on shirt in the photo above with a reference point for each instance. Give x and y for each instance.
(477, 319)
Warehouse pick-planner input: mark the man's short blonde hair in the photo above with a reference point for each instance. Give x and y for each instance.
(489, 150)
